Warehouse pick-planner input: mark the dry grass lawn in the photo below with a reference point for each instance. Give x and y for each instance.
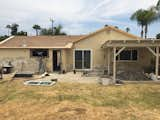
(68, 101)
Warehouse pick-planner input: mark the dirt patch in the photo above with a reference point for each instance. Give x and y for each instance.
(132, 76)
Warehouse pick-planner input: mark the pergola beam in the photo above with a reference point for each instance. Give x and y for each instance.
(151, 50)
(119, 51)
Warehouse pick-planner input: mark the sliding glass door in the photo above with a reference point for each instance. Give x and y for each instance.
(78, 59)
(82, 59)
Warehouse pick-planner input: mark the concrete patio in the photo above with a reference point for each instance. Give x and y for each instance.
(70, 77)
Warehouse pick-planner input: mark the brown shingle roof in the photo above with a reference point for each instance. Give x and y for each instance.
(40, 41)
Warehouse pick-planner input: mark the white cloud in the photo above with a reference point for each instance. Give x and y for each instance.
(72, 13)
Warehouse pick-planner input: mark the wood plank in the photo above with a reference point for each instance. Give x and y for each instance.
(120, 51)
(151, 50)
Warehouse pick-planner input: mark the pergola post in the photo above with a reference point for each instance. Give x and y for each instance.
(108, 62)
(157, 63)
(114, 64)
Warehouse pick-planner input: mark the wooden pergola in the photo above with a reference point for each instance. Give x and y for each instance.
(120, 45)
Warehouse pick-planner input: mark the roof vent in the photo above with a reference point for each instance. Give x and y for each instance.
(116, 27)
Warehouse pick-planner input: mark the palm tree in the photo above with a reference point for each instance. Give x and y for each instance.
(144, 18)
(9, 28)
(158, 4)
(58, 30)
(158, 9)
(36, 28)
(150, 16)
(139, 17)
(127, 29)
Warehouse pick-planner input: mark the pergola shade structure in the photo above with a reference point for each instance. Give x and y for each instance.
(119, 45)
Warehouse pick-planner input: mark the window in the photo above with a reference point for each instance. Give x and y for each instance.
(39, 53)
(82, 59)
(128, 55)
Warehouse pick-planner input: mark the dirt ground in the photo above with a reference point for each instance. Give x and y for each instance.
(76, 101)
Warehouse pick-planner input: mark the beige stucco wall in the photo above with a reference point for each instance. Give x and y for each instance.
(95, 42)
(99, 55)
(143, 61)
(21, 60)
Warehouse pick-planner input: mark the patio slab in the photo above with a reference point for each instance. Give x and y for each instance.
(70, 77)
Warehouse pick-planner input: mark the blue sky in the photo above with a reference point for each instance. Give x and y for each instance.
(76, 16)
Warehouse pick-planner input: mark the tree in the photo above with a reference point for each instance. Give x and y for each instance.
(9, 28)
(158, 36)
(127, 29)
(144, 18)
(46, 31)
(22, 33)
(58, 30)
(14, 29)
(138, 16)
(37, 28)
(150, 17)
(158, 5)
(3, 37)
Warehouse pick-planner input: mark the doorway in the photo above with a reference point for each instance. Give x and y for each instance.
(56, 60)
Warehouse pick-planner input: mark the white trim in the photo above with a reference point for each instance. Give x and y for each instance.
(91, 62)
(58, 47)
(69, 45)
(7, 39)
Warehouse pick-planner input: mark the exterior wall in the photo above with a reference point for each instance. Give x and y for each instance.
(143, 61)
(100, 56)
(67, 59)
(22, 61)
(95, 42)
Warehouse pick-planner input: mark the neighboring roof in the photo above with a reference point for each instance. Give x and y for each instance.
(110, 28)
(40, 41)
(132, 43)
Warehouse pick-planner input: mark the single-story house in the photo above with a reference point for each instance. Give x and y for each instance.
(108, 48)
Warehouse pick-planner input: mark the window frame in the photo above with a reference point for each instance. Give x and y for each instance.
(82, 59)
(31, 53)
(131, 56)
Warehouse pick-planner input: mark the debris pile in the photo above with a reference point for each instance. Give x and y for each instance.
(132, 75)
